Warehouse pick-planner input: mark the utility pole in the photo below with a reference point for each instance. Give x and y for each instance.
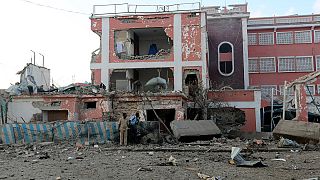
(42, 59)
(34, 57)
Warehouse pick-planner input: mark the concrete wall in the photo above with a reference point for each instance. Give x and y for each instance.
(248, 101)
(22, 110)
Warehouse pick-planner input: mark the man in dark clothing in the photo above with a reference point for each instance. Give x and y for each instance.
(134, 120)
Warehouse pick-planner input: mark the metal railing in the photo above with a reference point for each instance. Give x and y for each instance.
(284, 20)
(125, 8)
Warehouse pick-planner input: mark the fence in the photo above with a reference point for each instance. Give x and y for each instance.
(94, 132)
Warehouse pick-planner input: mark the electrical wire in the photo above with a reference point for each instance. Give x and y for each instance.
(55, 8)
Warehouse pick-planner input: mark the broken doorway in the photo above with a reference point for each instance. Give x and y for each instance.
(166, 115)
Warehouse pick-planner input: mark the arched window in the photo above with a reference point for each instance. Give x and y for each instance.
(225, 58)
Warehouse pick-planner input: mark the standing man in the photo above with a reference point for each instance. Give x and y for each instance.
(134, 120)
(123, 128)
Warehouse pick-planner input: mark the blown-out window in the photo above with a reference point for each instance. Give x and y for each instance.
(225, 58)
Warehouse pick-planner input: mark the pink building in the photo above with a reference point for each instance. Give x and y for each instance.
(137, 46)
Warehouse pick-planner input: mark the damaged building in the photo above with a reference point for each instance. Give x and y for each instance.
(178, 62)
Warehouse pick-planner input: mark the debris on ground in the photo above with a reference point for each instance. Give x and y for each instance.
(207, 177)
(79, 146)
(279, 159)
(238, 160)
(171, 162)
(144, 169)
(287, 143)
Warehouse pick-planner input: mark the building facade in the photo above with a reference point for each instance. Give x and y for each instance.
(136, 47)
(283, 49)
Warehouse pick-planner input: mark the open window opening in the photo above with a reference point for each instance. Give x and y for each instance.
(166, 115)
(143, 44)
(194, 114)
(225, 58)
(139, 80)
(90, 105)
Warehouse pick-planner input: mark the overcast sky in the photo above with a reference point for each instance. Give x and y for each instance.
(66, 39)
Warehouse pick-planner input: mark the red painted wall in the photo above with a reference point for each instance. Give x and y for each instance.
(96, 73)
(250, 125)
(276, 50)
(191, 36)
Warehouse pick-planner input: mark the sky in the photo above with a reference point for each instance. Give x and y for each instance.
(65, 38)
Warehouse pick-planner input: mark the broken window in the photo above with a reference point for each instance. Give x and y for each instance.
(225, 58)
(144, 79)
(143, 43)
(90, 105)
(191, 81)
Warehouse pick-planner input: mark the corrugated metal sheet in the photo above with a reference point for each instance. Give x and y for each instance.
(189, 128)
(99, 132)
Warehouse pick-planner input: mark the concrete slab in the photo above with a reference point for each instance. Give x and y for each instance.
(190, 130)
(300, 131)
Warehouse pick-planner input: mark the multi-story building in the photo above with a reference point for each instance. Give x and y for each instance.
(182, 44)
(176, 46)
(137, 46)
(282, 49)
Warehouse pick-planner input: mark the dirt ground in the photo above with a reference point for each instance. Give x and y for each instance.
(110, 161)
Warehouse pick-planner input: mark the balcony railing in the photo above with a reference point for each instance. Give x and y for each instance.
(125, 8)
(237, 8)
(284, 20)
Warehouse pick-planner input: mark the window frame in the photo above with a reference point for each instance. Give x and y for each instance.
(317, 64)
(318, 88)
(313, 87)
(274, 86)
(312, 63)
(232, 47)
(314, 35)
(292, 40)
(255, 34)
(274, 62)
(266, 33)
(254, 58)
(310, 33)
(281, 87)
(295, 63)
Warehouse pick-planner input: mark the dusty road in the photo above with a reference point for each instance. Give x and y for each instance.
(64, 161)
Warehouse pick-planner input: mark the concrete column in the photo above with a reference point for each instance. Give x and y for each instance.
(177, 48)
(245, 52)
(257, 107)
(301, 103)
(204, 45)
(105, 52)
